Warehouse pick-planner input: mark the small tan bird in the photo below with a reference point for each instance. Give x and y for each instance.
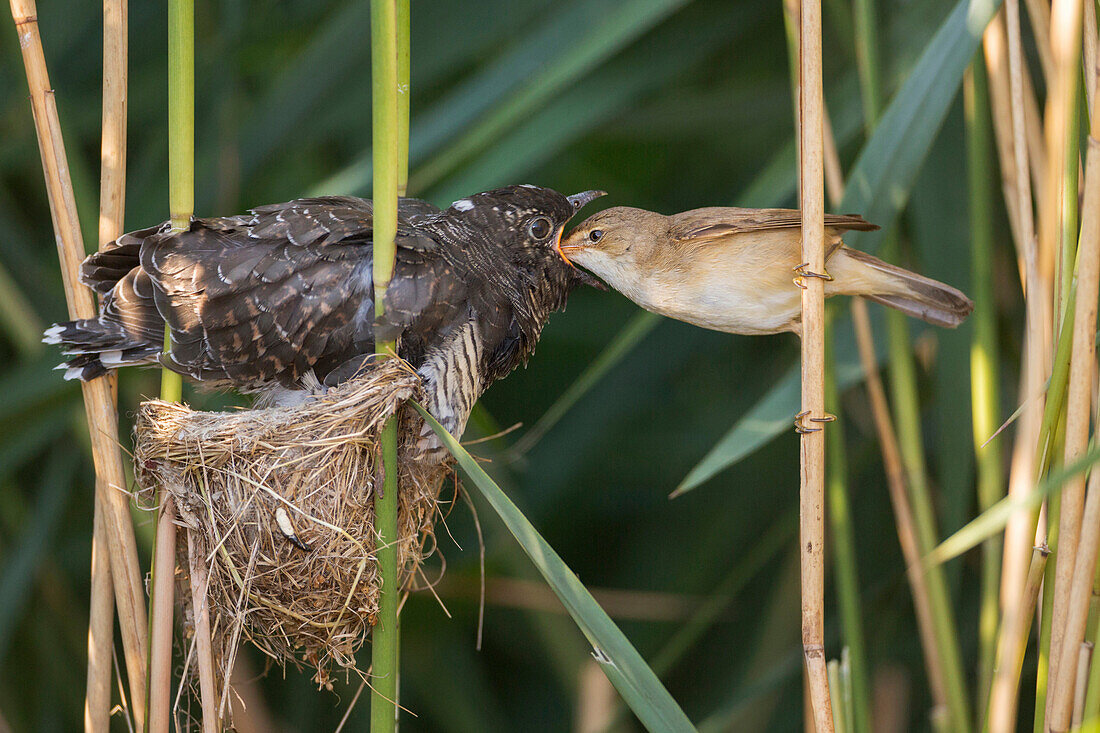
(731, 269)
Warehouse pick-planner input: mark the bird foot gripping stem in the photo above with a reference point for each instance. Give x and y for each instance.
(803, 417)
(801, 273)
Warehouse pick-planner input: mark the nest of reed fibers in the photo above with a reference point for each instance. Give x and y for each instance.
(233, 474)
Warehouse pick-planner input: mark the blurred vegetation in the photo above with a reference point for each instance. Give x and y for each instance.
(665, 104)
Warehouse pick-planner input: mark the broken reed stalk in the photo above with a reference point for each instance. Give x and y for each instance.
(1004, 696)
(98, 396)
(1067, 613)
(387, 136)
(112, 198)
(812, 509)
(984, 371)
(181, 203)
(1057, 230)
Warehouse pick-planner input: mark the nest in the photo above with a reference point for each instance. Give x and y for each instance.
(241, 479)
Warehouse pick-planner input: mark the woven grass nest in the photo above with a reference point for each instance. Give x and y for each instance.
(230, 473)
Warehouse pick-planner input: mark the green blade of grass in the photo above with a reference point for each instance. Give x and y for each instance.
(993, 520)
(618, 658)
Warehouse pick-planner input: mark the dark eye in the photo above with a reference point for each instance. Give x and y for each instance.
(540, 228)
(595, 235)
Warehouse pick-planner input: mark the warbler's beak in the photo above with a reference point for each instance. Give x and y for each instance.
(568, 246)
(580, 199)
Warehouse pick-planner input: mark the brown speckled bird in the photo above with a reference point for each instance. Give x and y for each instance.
(731, 269)
(280, 301)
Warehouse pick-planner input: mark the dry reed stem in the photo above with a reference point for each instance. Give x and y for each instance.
(1079, 412)
(98, 394)
(899, 498)
(160, 609)
(812, 509)
(1038, 13)
(112, 194)
(1019, 533)
(891, 454)
(1060, 701)
(101, 628)
(1084, 662)
(1060, 124)
(200, 608)
(1004, 695)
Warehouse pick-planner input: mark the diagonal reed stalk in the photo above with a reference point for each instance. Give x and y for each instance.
(389, 63)
(111, 498)
(181, 202)
(812, 494)
(112, 198)
(903, 457)
(1001, 717)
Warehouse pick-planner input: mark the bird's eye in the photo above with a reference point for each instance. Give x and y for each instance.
(595, 235)
(540, 228)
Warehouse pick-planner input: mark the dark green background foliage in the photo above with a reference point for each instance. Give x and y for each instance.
(667, 105)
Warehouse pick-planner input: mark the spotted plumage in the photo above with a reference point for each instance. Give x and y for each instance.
(281, 300)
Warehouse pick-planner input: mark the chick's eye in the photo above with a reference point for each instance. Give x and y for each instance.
(540, 228)
(595, 235)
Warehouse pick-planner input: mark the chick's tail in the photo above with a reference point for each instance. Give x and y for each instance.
(858, 273)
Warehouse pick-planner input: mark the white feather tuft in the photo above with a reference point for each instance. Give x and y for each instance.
(52, 335)
(111, 358)
(73, 373)
(463, 204)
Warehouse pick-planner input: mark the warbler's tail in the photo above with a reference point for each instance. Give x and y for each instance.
(858, 273)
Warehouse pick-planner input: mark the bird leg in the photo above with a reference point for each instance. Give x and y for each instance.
(803, 417)
(801, 273)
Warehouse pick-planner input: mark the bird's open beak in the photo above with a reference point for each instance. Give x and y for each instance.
(580, 199)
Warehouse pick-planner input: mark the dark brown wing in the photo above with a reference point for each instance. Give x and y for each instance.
(714, 223)
(262, 299)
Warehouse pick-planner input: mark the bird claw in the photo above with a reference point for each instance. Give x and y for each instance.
(803, 417)
(801, 273)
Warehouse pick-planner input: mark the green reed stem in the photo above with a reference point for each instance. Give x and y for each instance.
(984, 371)
(388, 128)
(844, 563)
(903, 380)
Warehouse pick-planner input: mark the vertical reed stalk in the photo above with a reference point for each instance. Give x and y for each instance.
(984, 372)
(98, 397)
(1020, 531)
(847, 578)
(204, 652)
(387, 148)
(1068, 618)
(404, 94)
(1057, 219)
(812, 509)
(1004, 696)
(1084, 663)
(112, 196)
(181, 203)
